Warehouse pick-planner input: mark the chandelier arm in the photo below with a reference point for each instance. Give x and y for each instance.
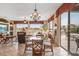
(35, 5)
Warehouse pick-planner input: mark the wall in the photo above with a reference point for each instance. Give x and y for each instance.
(57, 37)
(58, 31)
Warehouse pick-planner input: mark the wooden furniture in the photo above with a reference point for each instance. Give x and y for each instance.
(37, 47)
(28, 42)
(10, 38)
(48, 43)
(35, 38)
(4, 39)
(21, 37)
(39, 35)
(1, 38)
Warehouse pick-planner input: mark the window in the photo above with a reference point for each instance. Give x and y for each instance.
(35, 25)
(21, 25)
(3, 27)
(64, 24)
(74, 32)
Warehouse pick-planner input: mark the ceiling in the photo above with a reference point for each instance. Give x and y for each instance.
(17, 11)
(76, 8)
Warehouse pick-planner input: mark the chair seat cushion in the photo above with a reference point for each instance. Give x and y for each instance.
(29, 42)
(46, 43)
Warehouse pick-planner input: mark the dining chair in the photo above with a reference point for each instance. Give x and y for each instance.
(22, 40)
(48, 43)
(21, 37)
(1, 38)
(5, 39)
(37, 47)
(28, 43)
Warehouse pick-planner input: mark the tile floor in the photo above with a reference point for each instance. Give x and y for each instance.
(13, 50)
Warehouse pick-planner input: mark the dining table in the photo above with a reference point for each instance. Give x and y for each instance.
(10, 37)
(35, 38)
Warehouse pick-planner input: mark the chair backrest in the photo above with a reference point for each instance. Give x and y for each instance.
(1, 35)
(37, 46)
(51, 38)
(21, 37)
(77, 42)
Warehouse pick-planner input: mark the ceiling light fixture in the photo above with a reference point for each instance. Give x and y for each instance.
(25, 20)
(35, 15)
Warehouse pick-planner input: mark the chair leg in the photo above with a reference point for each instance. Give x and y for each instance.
(52, 50)
(25, 48)
(44, 49)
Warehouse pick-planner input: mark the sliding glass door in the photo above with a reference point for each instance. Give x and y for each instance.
(74, 32)
(64, 25)
(70, 35)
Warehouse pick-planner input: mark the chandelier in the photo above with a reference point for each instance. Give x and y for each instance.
(35, 15)
(25, 20)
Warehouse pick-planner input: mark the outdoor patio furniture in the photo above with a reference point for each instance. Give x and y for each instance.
(77, 42)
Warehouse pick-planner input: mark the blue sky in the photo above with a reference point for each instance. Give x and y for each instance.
(74, 16)
(26, 25)
(64, 19)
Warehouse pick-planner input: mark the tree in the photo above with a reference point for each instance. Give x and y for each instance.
(45, 27)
